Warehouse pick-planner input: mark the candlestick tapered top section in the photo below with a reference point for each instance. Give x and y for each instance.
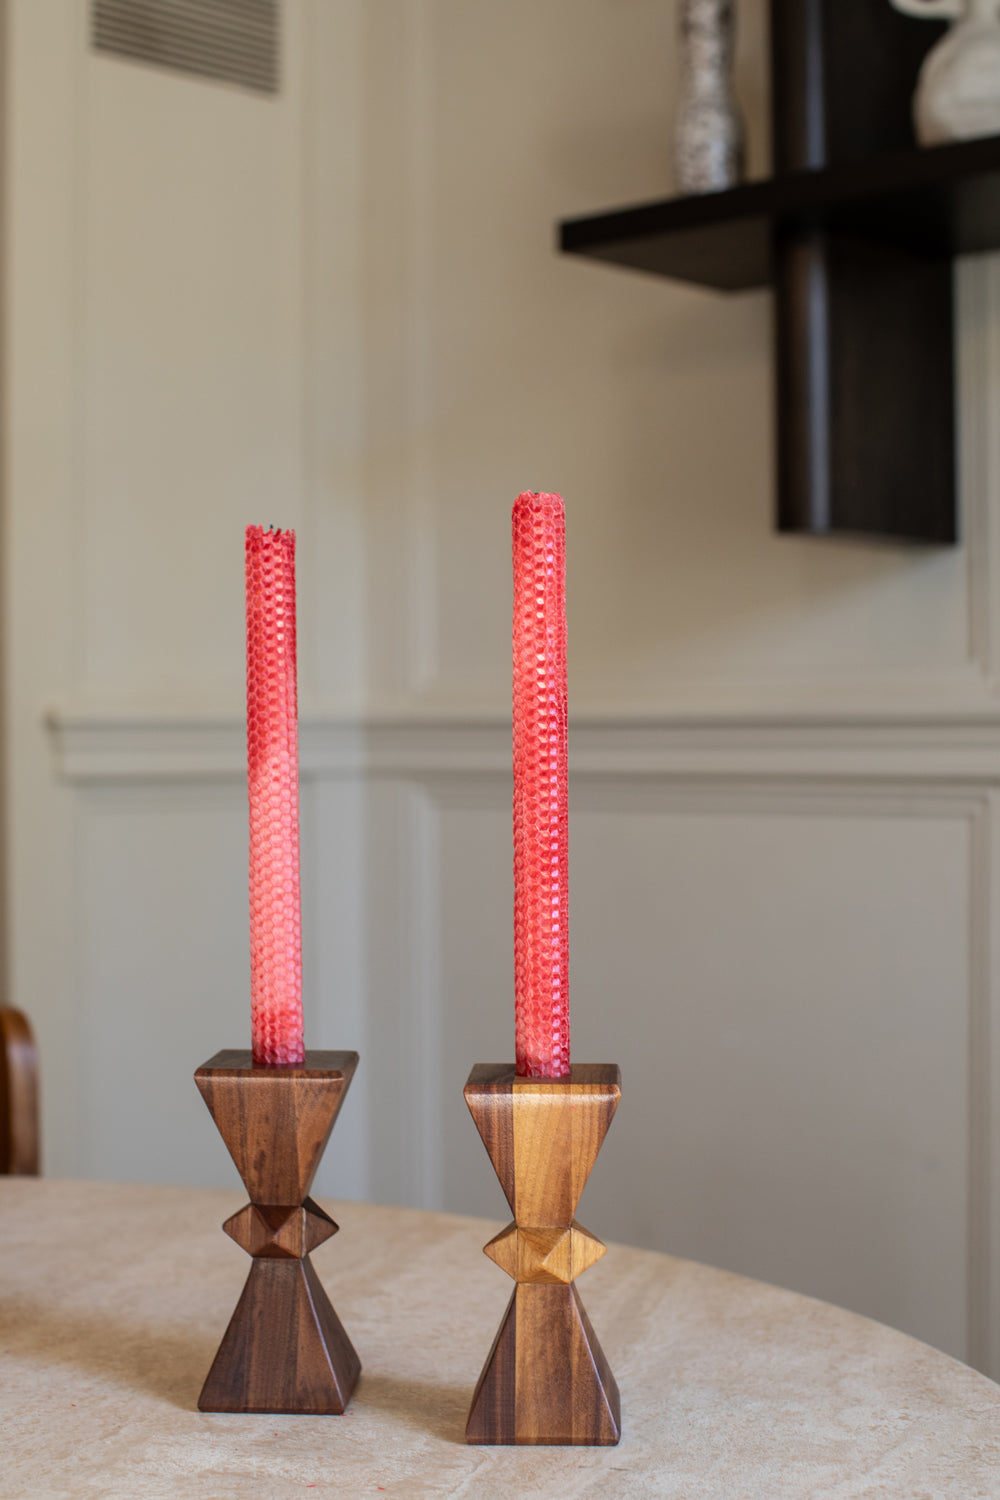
(273, 785)
(541, 809)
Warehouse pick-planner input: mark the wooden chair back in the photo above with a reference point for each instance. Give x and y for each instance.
(19, 1128)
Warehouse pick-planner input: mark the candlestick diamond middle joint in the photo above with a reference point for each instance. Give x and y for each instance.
(546, 1379)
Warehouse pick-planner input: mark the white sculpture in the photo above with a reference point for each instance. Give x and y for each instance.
(958, 91)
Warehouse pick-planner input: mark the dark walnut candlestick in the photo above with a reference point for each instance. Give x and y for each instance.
(546, 1379)
(285, 1349)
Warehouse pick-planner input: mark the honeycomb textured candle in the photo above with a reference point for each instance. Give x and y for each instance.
(273, 784)
(541, 811)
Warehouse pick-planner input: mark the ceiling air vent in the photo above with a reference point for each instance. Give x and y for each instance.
(232, 40)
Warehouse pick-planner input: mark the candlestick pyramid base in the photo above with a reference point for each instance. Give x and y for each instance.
(285, 1349)
(546, 1379)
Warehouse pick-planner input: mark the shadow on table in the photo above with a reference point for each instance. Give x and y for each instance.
(169, 1364)
(440, 1410)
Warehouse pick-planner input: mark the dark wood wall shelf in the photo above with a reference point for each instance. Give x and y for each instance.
(855, 231)
(941, 201)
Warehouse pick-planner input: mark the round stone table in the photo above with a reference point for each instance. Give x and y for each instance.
(113, 1299)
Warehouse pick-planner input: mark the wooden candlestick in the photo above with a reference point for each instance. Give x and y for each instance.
(546, 1379)
(285, 1349)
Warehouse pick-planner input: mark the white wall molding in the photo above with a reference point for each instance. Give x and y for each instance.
(420, 1019)
(962, 748)
(977, 362)
(977, 808)
(982, 1307)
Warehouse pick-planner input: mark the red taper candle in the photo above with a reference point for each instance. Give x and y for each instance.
(273, 785)
(541, 806)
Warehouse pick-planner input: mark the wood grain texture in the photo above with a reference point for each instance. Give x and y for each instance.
(546, 1379)
(280, 1232)
(285, 1349)
(276, 1121)
(20, 1135)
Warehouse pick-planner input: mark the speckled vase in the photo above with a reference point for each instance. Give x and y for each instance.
(708, 134)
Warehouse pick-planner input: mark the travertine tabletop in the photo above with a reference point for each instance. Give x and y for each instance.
(113, 1299)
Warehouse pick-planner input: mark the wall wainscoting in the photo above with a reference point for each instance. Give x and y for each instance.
(784, 929)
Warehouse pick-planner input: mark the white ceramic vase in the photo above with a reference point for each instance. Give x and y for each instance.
(958, 91)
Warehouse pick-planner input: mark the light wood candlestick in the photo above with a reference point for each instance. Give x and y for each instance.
(546, 1379)
(285, 1349)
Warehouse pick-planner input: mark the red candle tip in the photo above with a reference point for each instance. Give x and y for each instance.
(539, 500)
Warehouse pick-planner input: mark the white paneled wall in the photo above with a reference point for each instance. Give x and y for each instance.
(182, 347)
(340, 309)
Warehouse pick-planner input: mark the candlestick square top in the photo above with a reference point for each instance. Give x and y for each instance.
(543, 1134)
(276, 1121)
